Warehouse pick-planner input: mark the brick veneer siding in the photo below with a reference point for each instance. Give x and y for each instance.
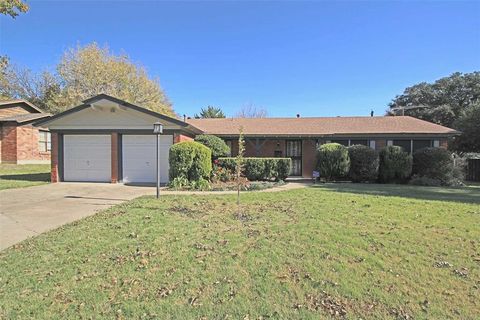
(308, 157)
(10, 111)
(380, 144)
(9, 142)
(114, 157)
(54, 174)
(444, 144)
(177, 137)
(20, 144)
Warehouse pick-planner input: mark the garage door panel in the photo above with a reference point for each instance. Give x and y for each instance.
(87, 158)
(139, 158)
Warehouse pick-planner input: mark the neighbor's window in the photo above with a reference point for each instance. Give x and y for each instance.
(44, 143)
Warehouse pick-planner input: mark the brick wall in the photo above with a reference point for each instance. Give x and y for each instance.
(444, 144)
(54, 161)
(380, 144)
(20, 144)
(114, 156)
(9, 142)
(308, 157)
(177, 137)
(10, 111)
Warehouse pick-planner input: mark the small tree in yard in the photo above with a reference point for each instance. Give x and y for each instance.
(239, 164)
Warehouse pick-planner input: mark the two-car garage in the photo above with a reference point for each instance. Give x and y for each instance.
(89, 158)
(106, 139)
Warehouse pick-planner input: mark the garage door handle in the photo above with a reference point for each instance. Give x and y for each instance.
(148, 163)
(88, 162)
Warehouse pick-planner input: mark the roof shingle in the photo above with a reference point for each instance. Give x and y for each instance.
(319, 126)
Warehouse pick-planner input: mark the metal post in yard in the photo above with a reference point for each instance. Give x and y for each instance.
(158, 129)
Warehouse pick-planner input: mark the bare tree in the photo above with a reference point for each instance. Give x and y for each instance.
(251, 111)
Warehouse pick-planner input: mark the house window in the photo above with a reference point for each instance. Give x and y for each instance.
(356, 142)
(44, 142)
(405, 144)
(341, 141)
(419, 144)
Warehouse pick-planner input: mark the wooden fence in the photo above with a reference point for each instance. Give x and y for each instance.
(473, 170)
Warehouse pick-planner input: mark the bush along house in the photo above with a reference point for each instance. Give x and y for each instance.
(109, 140)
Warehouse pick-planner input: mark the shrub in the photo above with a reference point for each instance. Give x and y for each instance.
(332, 161)
(217, 145)
(190, 160)
(200, 184)
(260, 168)
(221, 174)
(284, 165)
(179, 183)
(436, 164)
(395, 164)
(255, 169)
(363, 163)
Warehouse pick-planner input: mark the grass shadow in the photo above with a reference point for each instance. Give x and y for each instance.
(464, 195)
(32, 177)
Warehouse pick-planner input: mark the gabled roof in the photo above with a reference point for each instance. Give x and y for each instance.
(88, 103)
(26, 103)
(320, 126)
(23, 118)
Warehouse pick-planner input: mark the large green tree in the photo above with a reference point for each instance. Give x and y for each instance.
(469, 124)
(210, 112)
(13, 8)
(449, 101)
(82, 73)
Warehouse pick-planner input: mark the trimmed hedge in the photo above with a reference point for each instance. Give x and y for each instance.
(363, 163)
(435, 166)
(395, 165)
(332, 161)
(260, 168)
(190, 160)
(217, 145)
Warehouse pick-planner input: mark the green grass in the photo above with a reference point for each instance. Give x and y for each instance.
(23, 175)
(300, 254)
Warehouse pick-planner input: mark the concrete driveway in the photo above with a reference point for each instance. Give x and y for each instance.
(26, 212)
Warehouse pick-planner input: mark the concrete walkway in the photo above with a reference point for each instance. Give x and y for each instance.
(26, 212)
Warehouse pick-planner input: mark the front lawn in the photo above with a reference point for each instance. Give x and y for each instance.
(23, 175)
(303, 254)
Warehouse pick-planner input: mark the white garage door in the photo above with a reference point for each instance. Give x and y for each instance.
(139, 156)
(87, 158)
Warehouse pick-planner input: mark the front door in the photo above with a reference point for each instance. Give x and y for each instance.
(294, 151)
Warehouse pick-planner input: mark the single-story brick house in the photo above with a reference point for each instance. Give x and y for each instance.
(20, 141)
(109, 140)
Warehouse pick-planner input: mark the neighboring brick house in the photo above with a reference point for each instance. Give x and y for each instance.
(20, 141)
(298, 138)
(106, 139)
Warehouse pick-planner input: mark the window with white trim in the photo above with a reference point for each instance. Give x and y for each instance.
(44, 141)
